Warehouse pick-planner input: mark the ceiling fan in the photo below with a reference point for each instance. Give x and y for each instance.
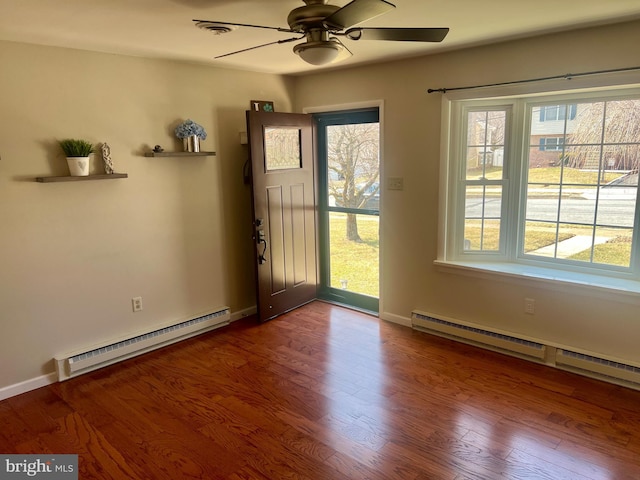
(319, 24)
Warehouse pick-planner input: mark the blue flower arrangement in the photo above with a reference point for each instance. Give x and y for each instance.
(189, 128)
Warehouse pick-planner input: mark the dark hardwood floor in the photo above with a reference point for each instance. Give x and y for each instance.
(328, 393)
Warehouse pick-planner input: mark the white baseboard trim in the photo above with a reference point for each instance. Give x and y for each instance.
(50, 378)
(27, 385)
(247, 312)
(393, 318)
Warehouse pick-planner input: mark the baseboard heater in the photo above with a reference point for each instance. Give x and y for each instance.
(589, 365)
(477, 336)
(599, 367)
(79, 362)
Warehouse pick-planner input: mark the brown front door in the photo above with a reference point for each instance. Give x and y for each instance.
(284, 210)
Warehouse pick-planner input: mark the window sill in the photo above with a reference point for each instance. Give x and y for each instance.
(573, 282)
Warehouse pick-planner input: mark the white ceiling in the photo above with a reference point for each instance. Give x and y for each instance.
(163, 28)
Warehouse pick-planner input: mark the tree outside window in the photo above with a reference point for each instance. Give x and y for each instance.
(354, 169)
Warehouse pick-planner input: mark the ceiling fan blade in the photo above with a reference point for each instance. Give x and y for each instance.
(286, 40)
(356, 12)
(398, 34)
(279, 29)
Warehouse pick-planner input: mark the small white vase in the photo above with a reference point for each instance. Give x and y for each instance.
(78, 166)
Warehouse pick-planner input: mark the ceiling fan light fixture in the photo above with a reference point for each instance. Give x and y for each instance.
(318, 53)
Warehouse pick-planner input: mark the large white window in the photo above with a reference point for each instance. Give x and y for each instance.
(546, 181)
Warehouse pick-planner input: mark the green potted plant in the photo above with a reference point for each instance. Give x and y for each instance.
(77, 152)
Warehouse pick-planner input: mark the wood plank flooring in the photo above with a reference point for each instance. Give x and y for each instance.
(329, 393)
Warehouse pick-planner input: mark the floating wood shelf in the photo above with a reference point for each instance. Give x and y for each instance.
(179, 154)
(111, 176)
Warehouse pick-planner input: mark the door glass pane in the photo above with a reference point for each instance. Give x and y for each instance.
(353, 165)
(282, 148)
(349, 183)
(350, 190)
(354, 264)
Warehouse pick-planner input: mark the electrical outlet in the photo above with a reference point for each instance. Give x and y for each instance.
(136, 303)
(529, 306)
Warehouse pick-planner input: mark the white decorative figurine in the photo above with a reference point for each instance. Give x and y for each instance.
(106, 158)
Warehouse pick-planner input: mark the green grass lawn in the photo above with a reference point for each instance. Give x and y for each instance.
(357, 263)
(616, 251)
(541, 235)
(538, 235)
(551, 175)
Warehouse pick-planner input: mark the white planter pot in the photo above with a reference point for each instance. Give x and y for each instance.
(78, 166)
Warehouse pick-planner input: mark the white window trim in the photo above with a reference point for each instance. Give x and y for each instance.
(622, 290)
(508, 267)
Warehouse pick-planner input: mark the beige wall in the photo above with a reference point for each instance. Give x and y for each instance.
(572, 316)
(176, 232)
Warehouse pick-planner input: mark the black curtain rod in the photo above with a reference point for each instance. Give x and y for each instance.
(566, 76)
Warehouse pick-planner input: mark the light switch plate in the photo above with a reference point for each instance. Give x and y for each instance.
(395, 183)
